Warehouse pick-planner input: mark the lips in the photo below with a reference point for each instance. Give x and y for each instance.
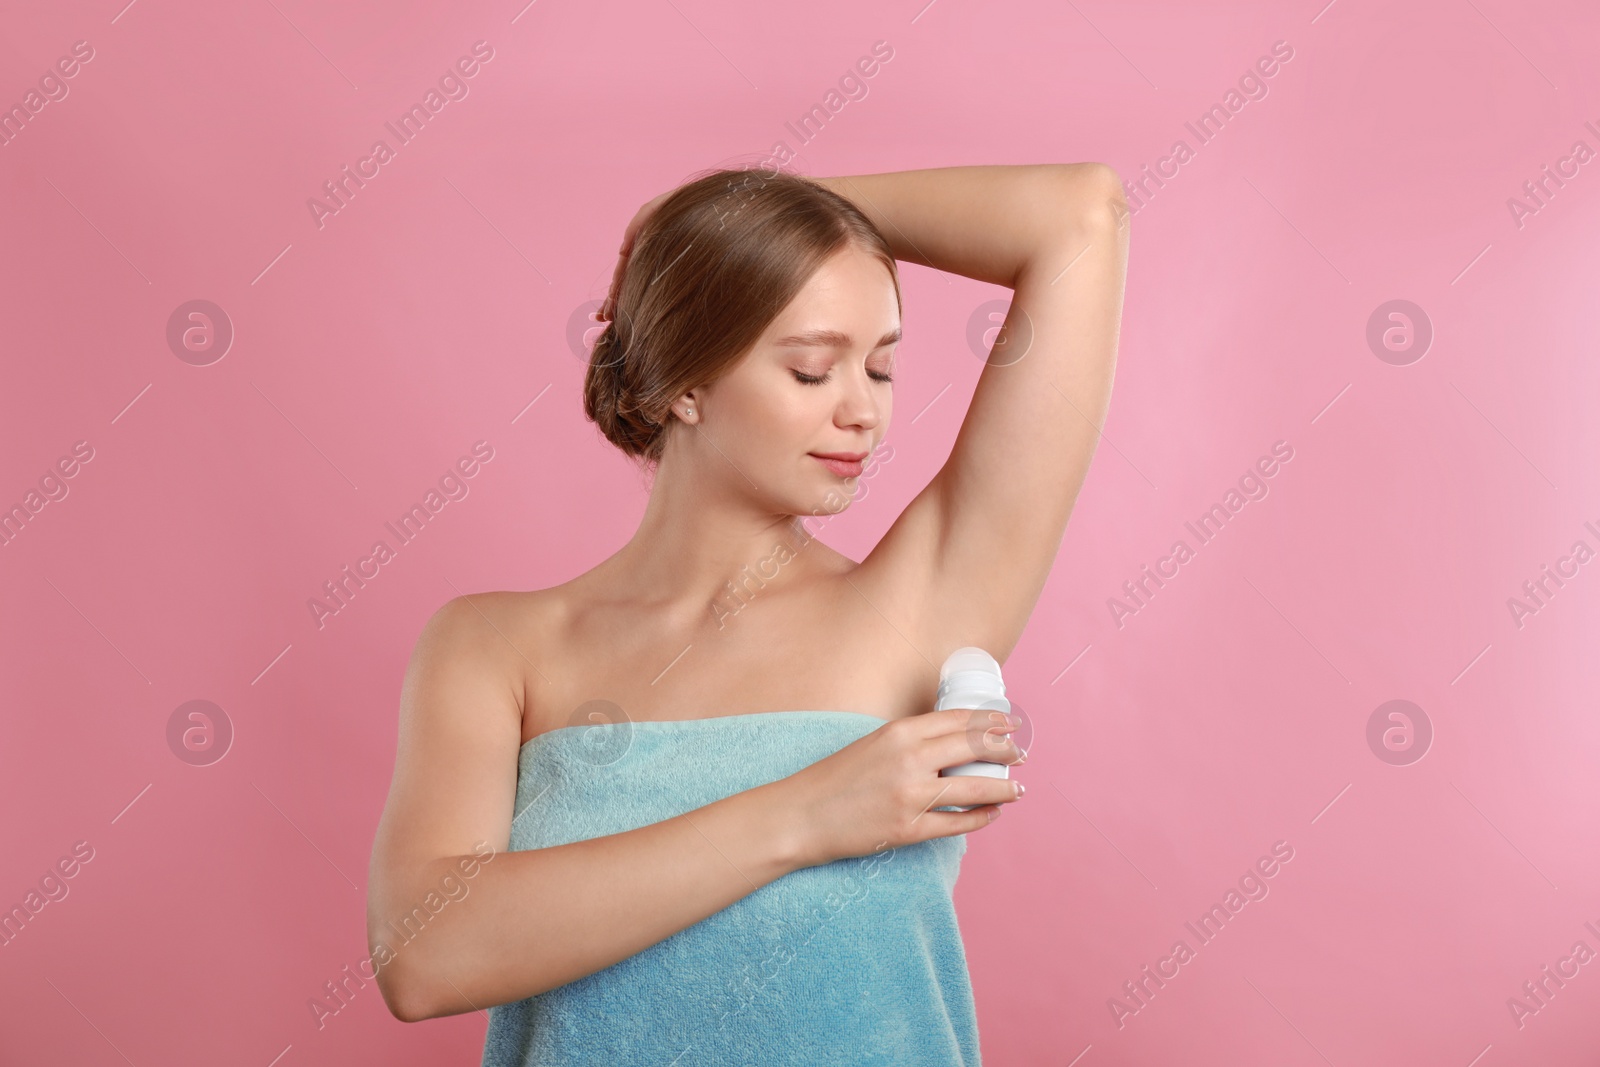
(843, 464)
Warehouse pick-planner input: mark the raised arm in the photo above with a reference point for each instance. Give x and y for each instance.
(979, 541)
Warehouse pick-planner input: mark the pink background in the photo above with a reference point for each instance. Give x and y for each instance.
(432, 310)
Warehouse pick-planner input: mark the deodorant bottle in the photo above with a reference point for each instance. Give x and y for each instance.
(970, 678)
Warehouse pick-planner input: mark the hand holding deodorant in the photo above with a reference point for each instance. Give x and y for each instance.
(970, 678)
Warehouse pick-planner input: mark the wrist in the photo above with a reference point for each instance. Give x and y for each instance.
(787, 826)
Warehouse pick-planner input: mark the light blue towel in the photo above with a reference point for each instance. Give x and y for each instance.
(858, 961)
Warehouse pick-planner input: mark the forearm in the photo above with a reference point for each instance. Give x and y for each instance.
(541, 918)
(983, 222)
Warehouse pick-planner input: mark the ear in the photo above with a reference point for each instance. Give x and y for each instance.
(687, 407)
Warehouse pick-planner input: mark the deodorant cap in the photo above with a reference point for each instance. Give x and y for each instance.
(968, 659)
(971, 667)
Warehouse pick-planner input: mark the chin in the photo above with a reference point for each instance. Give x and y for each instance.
(836, 501)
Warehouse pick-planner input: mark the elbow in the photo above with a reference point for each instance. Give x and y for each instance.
(1113, 193)
(412, 997)
(401, 1001)
(405, 997)
(1094, 196)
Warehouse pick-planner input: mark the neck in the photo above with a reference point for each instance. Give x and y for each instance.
(702, 542)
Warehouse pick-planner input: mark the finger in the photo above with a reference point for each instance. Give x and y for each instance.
(950, 823)
(636, 223)
(608, 306)
(937, 723)
(967, 790)
(989, 743)
(629, 232)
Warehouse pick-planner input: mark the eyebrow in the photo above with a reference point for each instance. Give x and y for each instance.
(831, 339)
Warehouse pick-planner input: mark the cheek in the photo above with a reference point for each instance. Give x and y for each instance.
(754, 421)
(780, 417)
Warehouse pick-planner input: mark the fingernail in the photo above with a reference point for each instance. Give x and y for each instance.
(1024, 756)
(1021, 789)
(999, 717)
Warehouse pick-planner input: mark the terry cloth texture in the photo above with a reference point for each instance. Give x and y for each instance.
(858, 961)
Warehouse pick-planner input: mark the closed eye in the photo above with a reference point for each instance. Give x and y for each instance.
(811, 379)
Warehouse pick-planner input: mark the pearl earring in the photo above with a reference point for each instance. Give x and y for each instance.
(691, 411)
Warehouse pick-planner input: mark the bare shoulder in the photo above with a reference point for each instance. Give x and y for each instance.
(469, 655)
(496, 606)
(460, 727)
(491, 622)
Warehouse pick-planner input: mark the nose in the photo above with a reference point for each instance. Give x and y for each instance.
(859, 406)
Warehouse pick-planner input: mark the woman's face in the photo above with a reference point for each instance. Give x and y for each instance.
(815, 383)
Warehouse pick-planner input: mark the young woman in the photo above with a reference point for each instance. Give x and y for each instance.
(750, 858)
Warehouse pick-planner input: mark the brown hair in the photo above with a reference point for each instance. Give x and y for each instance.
(709, 270)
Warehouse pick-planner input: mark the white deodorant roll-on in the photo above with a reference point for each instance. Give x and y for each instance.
(970, 678)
